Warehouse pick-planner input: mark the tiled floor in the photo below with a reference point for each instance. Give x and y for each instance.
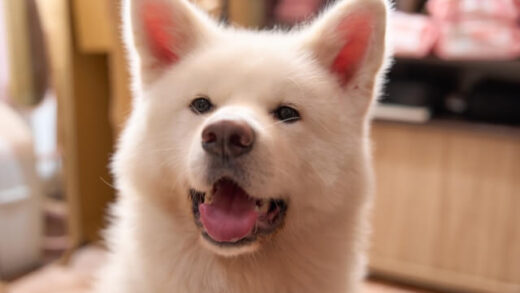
(77, 277)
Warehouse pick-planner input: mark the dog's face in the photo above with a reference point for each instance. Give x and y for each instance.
(247, 133)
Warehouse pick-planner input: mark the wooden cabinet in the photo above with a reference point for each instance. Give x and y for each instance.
(447, 212)
(79, 65)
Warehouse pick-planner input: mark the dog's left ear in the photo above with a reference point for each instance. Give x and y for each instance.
(349, 40)
(162, 32)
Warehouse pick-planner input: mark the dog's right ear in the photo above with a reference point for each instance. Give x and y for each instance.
(162, 32)
(349, 40)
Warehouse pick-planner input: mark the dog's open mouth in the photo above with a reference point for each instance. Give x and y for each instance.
(229, 216)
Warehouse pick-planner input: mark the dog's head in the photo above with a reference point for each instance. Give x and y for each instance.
(249, 133)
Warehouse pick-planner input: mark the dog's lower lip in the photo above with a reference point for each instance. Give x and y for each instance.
(271, 214)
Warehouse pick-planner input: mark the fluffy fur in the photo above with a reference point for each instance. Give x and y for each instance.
(330, 71)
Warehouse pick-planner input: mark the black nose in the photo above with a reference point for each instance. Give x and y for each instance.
(228, 138)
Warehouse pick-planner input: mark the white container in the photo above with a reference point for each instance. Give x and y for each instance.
(20, 212)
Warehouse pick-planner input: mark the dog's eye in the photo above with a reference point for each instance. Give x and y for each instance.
(201, 105)
(286, 114)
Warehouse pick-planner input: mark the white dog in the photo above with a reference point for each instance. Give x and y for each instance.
(245, 165)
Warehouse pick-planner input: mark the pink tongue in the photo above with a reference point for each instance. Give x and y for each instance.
(231, 216)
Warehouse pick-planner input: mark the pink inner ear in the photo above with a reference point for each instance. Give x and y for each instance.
(158, 27)
(357, 31)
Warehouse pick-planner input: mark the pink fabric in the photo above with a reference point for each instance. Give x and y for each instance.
(477, 29)
(505, 10)
(414, 35)
(294, 11)
(478, 39)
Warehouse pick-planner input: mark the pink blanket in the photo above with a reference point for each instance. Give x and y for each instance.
(477, 29)
(294, 11)
(478, 39)
(505, 10)
(414, 35)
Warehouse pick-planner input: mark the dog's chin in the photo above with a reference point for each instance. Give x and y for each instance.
(232, 222)
(228, 250)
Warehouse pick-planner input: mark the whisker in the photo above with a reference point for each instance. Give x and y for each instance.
(107, 183)
(282, 121)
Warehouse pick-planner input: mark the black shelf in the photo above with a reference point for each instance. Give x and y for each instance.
(454, 124)
(504, 69)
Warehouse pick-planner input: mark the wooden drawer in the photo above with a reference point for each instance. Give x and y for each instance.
(447, 211)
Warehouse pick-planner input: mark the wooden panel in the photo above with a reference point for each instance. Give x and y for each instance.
(481, 213)
(415, 166)
(94, 141)
(448, 206)
(21, 78)
(245, 13)
(82, 86)
(55, 17)
(92, 25)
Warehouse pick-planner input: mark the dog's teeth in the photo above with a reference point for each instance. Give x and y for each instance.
(208, 198)
(261, 206)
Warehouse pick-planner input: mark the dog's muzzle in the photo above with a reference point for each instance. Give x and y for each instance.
(227, 214)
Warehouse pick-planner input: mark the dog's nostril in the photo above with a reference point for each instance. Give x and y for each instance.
(228, 138)
(208, 137)
(240, 140)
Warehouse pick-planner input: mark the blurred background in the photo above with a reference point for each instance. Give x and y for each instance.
(446, 140)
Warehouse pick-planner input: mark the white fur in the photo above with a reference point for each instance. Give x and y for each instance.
(320, 164)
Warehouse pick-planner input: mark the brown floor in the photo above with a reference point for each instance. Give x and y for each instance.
(76, 277)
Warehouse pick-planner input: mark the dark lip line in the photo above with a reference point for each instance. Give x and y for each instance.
(197, 196)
